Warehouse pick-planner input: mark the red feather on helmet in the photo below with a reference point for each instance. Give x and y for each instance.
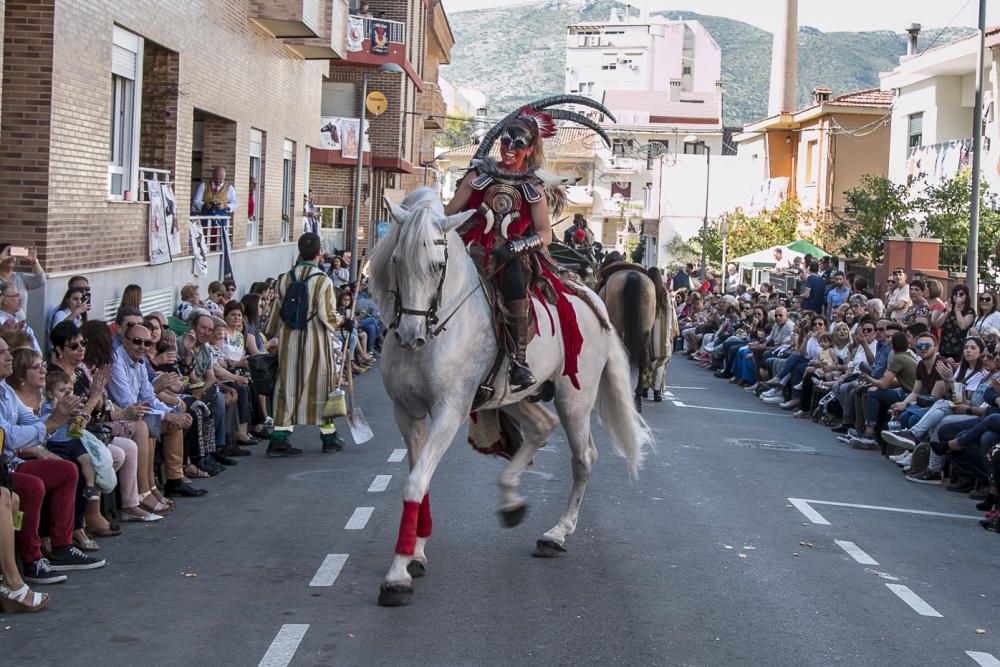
(546, 125)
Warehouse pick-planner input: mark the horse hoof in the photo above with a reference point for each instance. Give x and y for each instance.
(394, 595)
(416, 569)
(548, 549)
(638, 404)
(512, 517)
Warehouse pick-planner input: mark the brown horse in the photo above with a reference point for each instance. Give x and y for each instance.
(630, 296)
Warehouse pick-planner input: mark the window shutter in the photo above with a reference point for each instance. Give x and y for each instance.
(339, 100)
(917, 124)
(123, 62)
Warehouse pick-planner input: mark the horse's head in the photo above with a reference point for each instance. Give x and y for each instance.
(409, 265)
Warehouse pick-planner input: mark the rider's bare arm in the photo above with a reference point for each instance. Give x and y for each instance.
(461, 198)
(540, 219)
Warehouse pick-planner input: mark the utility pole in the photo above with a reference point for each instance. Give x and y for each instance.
(972, 274)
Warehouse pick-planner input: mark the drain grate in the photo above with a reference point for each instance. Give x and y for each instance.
(771, 445)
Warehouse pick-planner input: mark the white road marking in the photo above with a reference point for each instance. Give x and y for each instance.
(745, 412)
(397, 455)
(668, 394)
(675, 387)
(888, 509)
(329, 570)
(360, 518)
(983, 659)
(379, 484)
(809, 512)
(283, 648)
(855, 552)
(915, 602)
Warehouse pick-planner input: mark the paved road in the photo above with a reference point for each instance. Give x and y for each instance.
(704, 560)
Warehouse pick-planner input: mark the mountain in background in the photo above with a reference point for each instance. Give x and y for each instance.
(517, 54)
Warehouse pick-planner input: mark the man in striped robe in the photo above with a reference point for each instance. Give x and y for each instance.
(307, 357)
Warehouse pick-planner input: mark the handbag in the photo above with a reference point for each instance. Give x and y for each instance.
(264, 372)
(102, 431)
(335, 405)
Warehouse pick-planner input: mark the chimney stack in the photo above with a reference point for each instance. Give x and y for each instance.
(911, 44)
(784, 62)
(821, 94)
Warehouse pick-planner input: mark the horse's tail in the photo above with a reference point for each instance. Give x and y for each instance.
(633, 334)
(630, 434)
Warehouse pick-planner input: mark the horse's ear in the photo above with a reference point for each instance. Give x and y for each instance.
(452, 222)
(396, 211)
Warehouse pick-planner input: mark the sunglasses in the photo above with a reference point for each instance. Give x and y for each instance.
(882, 329)
(924, 346)
(76, 346)
(869, 330)
(36, 367)
(145, 342)
(985, 298)
(891, 282)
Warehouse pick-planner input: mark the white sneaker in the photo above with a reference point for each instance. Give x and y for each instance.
(770, 393)
(797, 387)
(904, 459)
(773, 400)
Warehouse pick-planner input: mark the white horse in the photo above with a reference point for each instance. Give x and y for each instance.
(421, 275)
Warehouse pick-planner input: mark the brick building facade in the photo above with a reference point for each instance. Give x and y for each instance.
(187, 82)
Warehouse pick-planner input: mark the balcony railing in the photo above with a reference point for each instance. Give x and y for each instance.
(373, 41)
(332, 40)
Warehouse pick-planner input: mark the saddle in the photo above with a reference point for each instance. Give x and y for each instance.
(616, 267)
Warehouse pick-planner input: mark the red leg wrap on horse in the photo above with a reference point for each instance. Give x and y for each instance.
(408, 528)
(424, 520)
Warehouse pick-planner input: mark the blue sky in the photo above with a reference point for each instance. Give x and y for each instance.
(827, 16)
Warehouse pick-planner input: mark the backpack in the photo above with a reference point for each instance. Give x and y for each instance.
(295, 304)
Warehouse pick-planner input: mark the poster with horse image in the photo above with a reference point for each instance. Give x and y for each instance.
(159, 249)
(170, 217)
(329, 133)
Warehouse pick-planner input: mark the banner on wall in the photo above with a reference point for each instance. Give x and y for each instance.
(159, 249)
(379, 37)
(170, 219)
(355, 33)
(342, 134)
(198, 247)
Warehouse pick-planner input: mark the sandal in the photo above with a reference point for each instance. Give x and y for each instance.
(196, 472)
(158, 494)
(111, 531)
(160, 507)
(86, 544)
(23, 600)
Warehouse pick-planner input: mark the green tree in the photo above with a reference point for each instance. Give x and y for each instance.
(879, 208)
(458, 131)
(749, 233)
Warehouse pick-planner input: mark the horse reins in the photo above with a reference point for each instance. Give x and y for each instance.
(430, 313)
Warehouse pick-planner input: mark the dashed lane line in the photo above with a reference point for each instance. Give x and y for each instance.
(916, 603)
(379, 484)
(807, 510)
(983, 659)
(397, 455)
(360, 518)
(855, 552)
(329, 570)
(760, 413)
(283, 648)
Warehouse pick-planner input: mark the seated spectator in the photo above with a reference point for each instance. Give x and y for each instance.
(69, 350)
(919, 310)
(10, 313)
(233, 379)
(15, 596)
(74, 307)
(368, 319)
(40, 477)
(355, 338)
(987, 315)
(256, 344)
(21, 281)
(195, 361)
(131, 297)
(954, 321)
(339, 274)
(130, 386)
(216, 298)
(190, 300)
(228, 291)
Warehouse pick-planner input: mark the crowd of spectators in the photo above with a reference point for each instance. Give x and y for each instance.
(108, 423)
(913, 374)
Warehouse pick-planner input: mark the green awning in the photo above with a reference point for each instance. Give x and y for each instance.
(807, 248)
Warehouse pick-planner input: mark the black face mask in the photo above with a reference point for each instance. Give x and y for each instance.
(516, 139)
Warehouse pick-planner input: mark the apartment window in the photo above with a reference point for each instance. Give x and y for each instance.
(692, 149)
(609, 61)
(287, 184)
(332, 226)
(621, 147)
(686, 70)
(255, 218)
(915, 130)
(126, 104)
(812, 155)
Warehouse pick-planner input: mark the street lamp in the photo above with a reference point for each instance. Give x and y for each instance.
(695, 141)
(356, 219)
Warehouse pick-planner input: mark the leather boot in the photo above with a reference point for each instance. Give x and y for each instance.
(518, 327)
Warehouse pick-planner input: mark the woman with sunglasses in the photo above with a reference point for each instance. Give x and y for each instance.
(511, 228)
(69, 349)
(954, 321)
(987, 314)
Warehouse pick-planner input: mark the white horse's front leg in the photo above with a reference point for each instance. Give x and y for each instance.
(414, 435)
(398, 585)
(537, 423)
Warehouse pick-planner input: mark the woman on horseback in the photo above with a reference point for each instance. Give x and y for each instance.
(511, 197)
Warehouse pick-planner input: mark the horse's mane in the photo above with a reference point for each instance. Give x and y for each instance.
(408, 242)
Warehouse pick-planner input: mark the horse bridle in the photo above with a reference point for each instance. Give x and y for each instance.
(430, 313)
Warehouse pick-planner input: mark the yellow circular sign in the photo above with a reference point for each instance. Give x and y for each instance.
(376, 103)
